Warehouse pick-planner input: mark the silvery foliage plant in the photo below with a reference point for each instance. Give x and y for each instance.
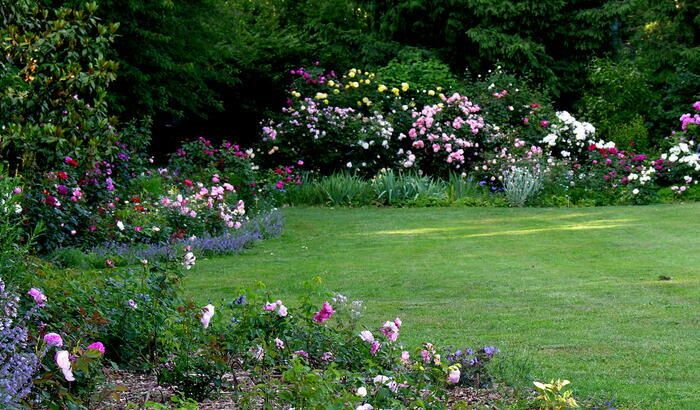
(521, 184)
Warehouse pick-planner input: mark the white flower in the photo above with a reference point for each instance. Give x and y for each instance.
(120, 225)
(635, 191)
(207, 314)
(550, 139)
(365, 406)
(189, 260)
(361, 391)
(367, 336)
(381, 379)
(349, 164)
(63, 361)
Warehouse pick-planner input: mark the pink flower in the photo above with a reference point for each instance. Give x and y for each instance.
(270, 306)
(405, 357)
(374, 348)
(302, 353)
(97, 346)
(390, 330)
(526, 121)
(696, 106)
(282, 311)
(62, 359)
(53, 339)
(215, 178)
(138, 228)
(38, 296)
(324, 314)
(367, 336)
(279, 185)
(207, 314)
(300, 162)
(279, 343)
(17, 190)
(398, 322)
(544, 123)
(453, 376)
(425, 355)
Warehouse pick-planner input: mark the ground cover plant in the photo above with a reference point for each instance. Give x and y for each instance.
(578, 292)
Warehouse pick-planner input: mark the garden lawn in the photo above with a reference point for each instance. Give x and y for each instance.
(576, 291)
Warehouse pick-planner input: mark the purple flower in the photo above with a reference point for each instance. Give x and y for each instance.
(53, 339)
(38, 296)
(490, 351)
(62, 189)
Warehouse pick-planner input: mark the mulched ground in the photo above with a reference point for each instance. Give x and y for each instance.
(127, 390)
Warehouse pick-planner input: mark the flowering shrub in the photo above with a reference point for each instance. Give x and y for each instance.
(34, 364)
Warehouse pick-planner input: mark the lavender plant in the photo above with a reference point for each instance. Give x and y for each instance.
(18, 361)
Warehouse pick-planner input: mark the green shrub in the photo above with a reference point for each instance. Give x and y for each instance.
(55, 74)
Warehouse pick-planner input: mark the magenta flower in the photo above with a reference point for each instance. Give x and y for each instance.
(53, 339)
(324, 314)
(38, 296)
(302, 353)
(374, 348)
(696, 106)
(97, 346)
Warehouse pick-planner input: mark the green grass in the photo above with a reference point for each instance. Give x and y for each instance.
(575, 290)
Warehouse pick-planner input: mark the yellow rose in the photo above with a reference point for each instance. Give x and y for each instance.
(381, 88)
(367, 81)
(331, 83)
(355, 84)
(336, 91)
(321, 96)
(404, 87)
(395, 91)
(431, 93)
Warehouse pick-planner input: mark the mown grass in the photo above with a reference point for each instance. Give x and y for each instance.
(576, 291)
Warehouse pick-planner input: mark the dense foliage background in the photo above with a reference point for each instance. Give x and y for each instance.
(627, 65)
